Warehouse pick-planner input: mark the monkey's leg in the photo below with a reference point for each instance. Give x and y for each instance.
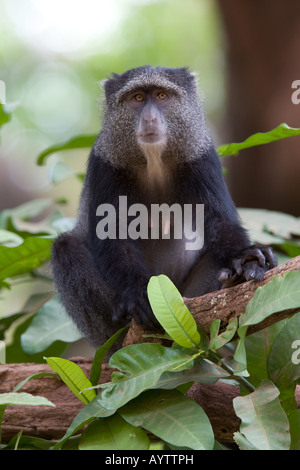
(83, 292)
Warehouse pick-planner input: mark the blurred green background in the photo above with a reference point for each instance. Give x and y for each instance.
(53, 56)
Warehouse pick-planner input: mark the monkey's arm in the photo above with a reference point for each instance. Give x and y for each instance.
(226, 240)
(239, 260)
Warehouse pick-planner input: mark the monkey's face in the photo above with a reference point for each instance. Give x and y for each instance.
(148, 107)
(152, 116)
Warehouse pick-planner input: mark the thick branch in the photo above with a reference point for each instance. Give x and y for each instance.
(41, 421)
(52, 423)
(226, 304)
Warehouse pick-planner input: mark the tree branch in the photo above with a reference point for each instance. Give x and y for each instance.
(226, 304)
(51, 423)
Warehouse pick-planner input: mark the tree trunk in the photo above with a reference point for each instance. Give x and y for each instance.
(262, 50)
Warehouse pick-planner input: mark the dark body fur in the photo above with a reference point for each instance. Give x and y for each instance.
(102, 283)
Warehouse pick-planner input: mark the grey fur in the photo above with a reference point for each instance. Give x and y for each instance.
(116, 118)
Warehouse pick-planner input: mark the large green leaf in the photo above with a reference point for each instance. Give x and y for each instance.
(74, 378)
(204, 372)
(281, 293)
(265, 226)
(171, 312)
(26, 211)
(171, 416)
(100, 354)
(113, 433)
(141, 366)
(92, 410)
(264, 423)
(242, 442)
(280, 132)
(23, 399)
(24, 258)
(258, 346)
(282, 366)
(50, 324)
(81, 141)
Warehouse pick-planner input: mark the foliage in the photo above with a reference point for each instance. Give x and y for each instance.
(281, 132)
(149, 380)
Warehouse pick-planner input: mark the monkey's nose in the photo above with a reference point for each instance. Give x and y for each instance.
(150, 119)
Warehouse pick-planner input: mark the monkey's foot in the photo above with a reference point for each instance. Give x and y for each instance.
(251, 263)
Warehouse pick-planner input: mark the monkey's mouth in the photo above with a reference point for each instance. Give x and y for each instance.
(151, 138)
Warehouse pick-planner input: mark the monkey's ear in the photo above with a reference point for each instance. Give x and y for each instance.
(111, 85)
(183, 77)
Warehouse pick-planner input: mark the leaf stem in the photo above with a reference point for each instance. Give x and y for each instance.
(242, 381)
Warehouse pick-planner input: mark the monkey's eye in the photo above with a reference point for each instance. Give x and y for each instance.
(161, 96)
(138, 97)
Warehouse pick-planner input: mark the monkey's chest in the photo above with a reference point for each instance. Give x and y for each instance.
(169, 257)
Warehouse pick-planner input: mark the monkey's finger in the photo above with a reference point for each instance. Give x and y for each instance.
(270, 256)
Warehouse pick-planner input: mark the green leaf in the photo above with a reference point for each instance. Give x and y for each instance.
(28, 443)
(242, 442)
(265, 226)
(264, 423)
(142, 366)
(92, 410)
(24, 258)
(171, 416)
(8, 238)
(283, 366)
(73, 376)
(32, 376)
(171, 312)
(5, 285)
(218, 341)
(294, 419)
(204, 372)
(240, 355)
(5, 115)
(281, 293)
(113, 433)
(24, 212)
(51, 323)
(82, 141)
(280, 132)
(23, 399)
(258, 346)
(100, 354)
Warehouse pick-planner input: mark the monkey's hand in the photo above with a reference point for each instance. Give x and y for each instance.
(134, 303)
(251, 263)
